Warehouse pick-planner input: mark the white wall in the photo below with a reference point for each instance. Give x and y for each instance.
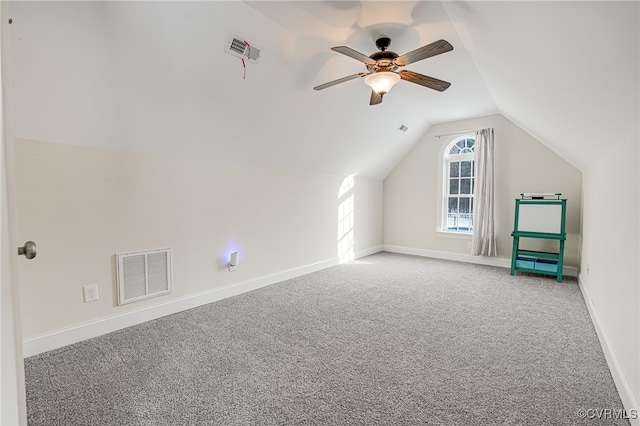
(522, 164)
(62, 72)
(610, 256)
(153, 79)
(82, 205)
(368, 216)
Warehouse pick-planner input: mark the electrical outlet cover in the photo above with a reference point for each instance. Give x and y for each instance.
(90, 292)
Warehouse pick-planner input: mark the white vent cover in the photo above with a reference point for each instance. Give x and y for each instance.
(236, 46)
(144, 274)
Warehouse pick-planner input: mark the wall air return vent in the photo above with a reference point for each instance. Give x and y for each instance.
(144, 274)
(242, 48)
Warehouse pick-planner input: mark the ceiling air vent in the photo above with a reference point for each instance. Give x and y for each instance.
(242, 48)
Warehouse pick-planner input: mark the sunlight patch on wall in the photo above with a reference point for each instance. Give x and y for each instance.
(346, 219)
(347, 185)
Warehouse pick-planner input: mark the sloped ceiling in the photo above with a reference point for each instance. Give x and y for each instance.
(153, 77)
(567, 72)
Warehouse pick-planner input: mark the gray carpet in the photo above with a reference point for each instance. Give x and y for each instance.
(387, 340)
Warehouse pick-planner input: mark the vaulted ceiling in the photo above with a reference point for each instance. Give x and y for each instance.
(153, 77)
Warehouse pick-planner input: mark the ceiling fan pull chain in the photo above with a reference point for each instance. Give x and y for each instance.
(244, 65)
(248, 49)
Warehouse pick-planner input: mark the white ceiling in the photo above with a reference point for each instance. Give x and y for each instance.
(153, 77)
(567, 72)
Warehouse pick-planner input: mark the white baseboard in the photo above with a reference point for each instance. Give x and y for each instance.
(501, 262)
(68, 335)
(368, 252)
(630, 401)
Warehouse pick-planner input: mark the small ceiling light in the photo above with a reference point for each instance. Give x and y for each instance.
(403, 128)
(381, 81)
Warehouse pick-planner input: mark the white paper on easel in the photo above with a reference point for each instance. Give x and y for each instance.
(540, 218)
(539, 194)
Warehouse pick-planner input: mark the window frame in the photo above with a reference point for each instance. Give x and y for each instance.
(444, 194)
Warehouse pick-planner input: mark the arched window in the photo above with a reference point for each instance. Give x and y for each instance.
(459, 185)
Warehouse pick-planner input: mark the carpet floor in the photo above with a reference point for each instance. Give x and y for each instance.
(386, 340)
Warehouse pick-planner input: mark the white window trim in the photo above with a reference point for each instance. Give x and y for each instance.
(460, 235)
(441, 213)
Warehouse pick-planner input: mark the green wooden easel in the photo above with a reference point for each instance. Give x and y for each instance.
(541, 218)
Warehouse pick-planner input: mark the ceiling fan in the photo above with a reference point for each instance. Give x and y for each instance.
(383, 65)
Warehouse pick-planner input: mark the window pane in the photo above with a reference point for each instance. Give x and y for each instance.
(470, 143)
(464, 216)
(452, 214)
(464, 205)
(454, 150)
(465, 168)
(464, 222)
(453, 205)
(465, 186)
(460, 145)
(453, 186)
(454, 169)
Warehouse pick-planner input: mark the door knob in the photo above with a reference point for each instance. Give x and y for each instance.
(28, 250)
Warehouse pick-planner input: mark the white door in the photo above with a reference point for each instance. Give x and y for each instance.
(12, 390)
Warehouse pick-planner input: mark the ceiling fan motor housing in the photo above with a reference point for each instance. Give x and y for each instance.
(384, 61)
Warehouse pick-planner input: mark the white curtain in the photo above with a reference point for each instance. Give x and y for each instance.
(484, 236)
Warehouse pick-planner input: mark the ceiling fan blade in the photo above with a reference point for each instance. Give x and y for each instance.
(340, 80)
(424, 52)
(424, 80)
(354, 54)
(376, 98)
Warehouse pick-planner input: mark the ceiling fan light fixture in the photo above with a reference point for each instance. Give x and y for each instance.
(381, 81)
(381, 73)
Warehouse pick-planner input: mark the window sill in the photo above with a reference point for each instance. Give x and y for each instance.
(457, 235)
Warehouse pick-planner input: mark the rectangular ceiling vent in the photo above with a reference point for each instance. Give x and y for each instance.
(242, 48)
(143, 274)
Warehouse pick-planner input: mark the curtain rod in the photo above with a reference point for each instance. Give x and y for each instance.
(456, 133)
